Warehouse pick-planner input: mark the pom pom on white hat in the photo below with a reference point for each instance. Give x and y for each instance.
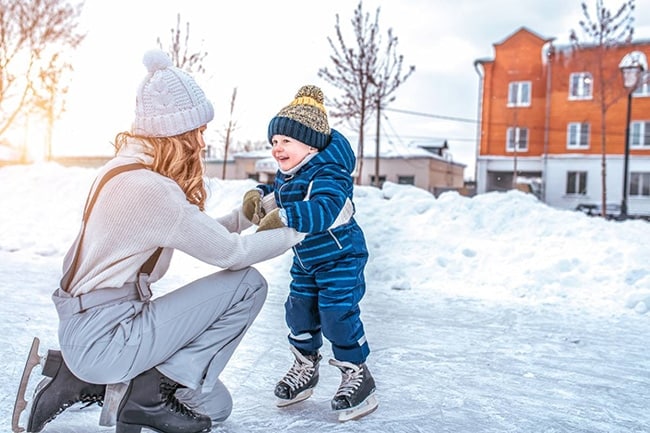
(168, 102)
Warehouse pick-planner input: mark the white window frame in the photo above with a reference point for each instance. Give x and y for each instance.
(519, 135)
(519, 93)
(580, 86)
(640, 134)
(580, 180)
(575, 132)
(640, 184)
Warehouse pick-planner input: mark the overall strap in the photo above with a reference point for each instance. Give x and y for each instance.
(147, 267)
(92, 198)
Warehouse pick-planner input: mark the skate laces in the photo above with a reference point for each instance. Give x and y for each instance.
(90, 399)
(168, 391)
(87, 399)
(352, 376)
(301, 371)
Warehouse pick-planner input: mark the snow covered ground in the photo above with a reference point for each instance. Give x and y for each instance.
(490, 314)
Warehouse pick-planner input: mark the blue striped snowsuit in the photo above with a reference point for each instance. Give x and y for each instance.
(328, 266)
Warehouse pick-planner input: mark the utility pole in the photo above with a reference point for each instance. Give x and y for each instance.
(377, 184)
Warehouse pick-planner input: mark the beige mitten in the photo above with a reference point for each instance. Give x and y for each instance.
(271, 221)
(252, 206)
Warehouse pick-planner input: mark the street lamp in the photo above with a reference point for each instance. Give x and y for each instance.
(632, 66)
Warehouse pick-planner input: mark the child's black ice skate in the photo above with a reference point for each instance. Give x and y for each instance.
(299, 382)
(355, 397)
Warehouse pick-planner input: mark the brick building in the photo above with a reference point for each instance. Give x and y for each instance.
(541, 117)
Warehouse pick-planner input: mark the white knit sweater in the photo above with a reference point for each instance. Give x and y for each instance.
(138, 211)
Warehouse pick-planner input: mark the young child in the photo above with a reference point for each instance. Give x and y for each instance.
(312, 193)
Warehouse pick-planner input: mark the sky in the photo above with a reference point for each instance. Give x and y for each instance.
(268, 50)
(489, 314)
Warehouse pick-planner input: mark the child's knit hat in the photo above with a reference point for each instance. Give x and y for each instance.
(305, 119)
(168, 102)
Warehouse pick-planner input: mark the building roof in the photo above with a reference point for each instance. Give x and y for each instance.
(525, 30)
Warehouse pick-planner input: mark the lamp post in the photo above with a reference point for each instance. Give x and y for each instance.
(632, 66)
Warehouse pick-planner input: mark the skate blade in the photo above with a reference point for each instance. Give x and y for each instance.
(368, 406)
(113, 397)
(33, 359)
(297, 399)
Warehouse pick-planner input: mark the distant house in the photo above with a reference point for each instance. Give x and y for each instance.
(427, 167)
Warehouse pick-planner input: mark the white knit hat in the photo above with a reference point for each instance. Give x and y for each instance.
(169, 102)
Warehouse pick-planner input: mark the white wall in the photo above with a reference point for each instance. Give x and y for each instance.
(556, 169)
(558, 166)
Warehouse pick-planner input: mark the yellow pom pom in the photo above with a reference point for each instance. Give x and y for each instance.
(311, 91)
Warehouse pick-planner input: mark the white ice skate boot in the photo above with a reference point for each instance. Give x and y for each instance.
(355, 397)
(299, 382)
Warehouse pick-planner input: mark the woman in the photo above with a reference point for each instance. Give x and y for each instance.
(169, 349)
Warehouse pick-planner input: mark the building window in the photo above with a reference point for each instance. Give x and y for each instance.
(640, 134)
(518, 136)
(580, 85)
(253, 176)
(382, 179)
(576, 182)
(406, 180)
(640, 184)
(578, 136)
(519, 94)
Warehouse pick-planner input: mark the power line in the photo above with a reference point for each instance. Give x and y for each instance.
(428, 138)
(435, 116)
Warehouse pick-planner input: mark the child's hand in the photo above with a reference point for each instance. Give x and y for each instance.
(252, 206)
(271, 221)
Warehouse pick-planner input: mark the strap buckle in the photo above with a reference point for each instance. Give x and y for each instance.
(143, 287)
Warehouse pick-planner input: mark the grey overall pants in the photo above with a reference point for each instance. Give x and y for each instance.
(188, 334)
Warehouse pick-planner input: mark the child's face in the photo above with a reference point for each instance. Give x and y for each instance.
(289, 152)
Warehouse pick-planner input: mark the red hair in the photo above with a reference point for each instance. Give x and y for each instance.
(179, 157)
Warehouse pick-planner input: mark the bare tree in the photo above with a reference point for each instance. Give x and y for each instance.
(50, 98)
(367, 74)
(604, 31)
(229, 129)
(34, 37)
(179, 50)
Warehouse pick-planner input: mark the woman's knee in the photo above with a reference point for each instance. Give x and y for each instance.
(256, 282)
(255, 278)
(247, 285)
